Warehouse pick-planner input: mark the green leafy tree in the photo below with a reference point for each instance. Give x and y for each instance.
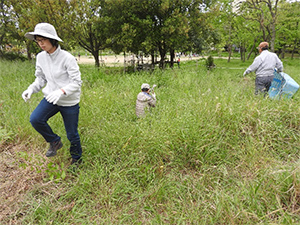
(128, 25)
(31, 12)
(204, 33)
(8, 30)
(162, 26)
(90, 26)
(224, 22)
(288, 32)
(265, 12)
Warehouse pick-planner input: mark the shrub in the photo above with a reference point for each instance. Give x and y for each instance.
(210, 63)
(12, 56)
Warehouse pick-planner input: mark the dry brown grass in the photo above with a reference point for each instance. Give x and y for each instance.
(17, 180)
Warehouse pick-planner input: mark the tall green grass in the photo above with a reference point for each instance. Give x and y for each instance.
(210, 152)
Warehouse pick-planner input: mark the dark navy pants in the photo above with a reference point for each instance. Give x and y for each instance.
(70, 114)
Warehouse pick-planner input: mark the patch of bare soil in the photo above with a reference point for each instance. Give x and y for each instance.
(19, 174)
(118, 60)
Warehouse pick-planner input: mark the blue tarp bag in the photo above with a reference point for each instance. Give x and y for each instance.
(282, 86)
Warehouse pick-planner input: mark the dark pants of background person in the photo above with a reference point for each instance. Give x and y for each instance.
(263, 84)
(44, 111)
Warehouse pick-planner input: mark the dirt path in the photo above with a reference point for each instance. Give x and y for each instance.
(119, 59)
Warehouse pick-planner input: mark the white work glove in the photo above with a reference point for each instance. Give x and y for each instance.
(245, 73)
(27, 94)
(54, 96)
(154, 95)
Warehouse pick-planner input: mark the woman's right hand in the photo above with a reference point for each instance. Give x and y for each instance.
(27, 94)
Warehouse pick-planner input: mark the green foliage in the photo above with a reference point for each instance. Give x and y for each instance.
(209, 63)
(37, 163)
(209, 146)
(12, 56)
(55, 172)
(165, 26)
(124, 26)
(4, 135)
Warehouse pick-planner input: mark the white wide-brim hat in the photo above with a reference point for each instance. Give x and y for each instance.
(145, 86)
(45, 30)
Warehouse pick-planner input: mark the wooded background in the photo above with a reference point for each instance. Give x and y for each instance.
(154, 27)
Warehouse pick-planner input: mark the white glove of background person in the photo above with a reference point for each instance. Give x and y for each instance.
(27, 94)
(54, 96)
(154, 95)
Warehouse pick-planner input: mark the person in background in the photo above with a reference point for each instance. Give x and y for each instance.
(264, 65)
(57, 72)
(144, 101)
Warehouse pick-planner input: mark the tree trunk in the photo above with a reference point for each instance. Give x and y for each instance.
(153, 59)
(124, 61)
(229, 45)
(162, 54)
(162, 60)
(28, 49)
(294, 48)
(93, 50)
(273, 36)
(96, 57)
(172, 53)
(229, 52)
(252, 48)
(242, 51)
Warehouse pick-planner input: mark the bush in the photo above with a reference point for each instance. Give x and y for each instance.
(210, 63)
(12, 56)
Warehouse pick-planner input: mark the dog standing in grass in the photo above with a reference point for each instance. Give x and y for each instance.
(144, 101)
(58, 71)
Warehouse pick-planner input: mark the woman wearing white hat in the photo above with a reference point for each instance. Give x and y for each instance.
(58, 71)
(144, 101)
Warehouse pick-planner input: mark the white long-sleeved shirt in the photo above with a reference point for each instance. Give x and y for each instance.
(264, 64)
(58, 70)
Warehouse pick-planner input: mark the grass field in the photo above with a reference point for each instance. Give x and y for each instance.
(210, 153)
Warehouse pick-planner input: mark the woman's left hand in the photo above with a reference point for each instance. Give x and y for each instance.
(54, 96)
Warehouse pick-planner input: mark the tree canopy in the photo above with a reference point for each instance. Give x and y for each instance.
(155, 27)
